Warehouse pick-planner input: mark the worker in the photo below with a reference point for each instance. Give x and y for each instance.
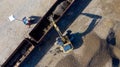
(59, 41)
(26, 21)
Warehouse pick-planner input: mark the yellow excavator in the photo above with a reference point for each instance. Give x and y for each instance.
(63, 41)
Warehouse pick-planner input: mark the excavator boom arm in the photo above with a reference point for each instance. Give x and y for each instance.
(55, 26)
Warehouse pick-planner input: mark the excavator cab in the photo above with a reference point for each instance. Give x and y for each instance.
(67, 47)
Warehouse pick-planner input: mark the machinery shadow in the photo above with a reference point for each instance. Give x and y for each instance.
(34, 19)
(94, 22)
(38, 53)
(78, 41)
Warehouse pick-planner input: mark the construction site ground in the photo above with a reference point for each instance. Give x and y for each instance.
(90, 22)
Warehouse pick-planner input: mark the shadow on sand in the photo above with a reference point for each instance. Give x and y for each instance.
(78, 41)
(34, 19)
(115, 62)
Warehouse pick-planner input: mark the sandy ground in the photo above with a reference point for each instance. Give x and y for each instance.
(12, 33)
(93, 26)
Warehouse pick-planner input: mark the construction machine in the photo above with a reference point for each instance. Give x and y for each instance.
(63, 41)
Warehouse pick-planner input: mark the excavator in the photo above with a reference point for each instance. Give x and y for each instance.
(63, 41)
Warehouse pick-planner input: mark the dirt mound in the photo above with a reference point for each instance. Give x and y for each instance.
(102, 29)
(102, 57)
(89, 48)
(117, 34)
(68, 61)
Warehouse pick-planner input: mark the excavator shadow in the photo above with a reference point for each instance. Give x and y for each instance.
(77, 40)
(95, 20)
(78, 37)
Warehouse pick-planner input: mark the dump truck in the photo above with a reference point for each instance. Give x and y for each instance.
(20, 54)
